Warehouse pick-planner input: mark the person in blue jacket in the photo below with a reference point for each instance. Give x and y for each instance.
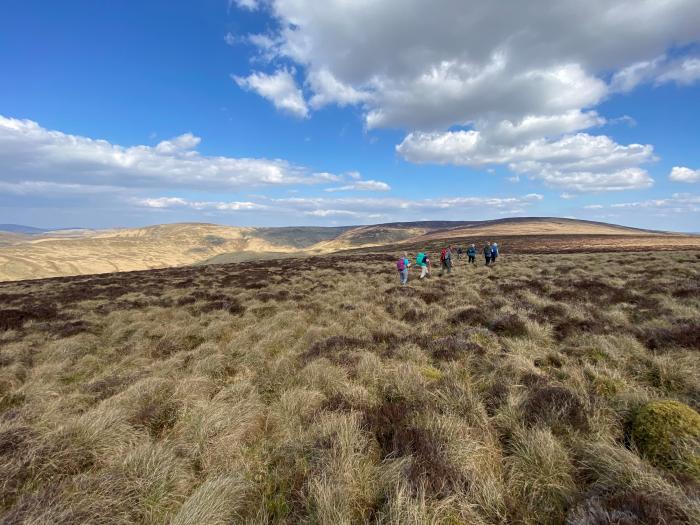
(471, 253)
(494, 252)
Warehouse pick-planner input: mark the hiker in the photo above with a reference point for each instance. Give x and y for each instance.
(459, 252)
(487, 253)
(471, 253)
(494, 252)
(446, 260)
(423, 262)
(402, 265)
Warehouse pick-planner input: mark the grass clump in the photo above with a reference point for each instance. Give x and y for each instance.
(668, 434)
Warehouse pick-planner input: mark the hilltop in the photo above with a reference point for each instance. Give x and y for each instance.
(82, 251)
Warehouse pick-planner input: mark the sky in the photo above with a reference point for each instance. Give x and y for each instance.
(298, 112)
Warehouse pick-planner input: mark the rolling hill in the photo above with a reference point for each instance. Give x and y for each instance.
(79, 252)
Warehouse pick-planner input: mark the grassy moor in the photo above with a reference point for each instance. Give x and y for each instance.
(554, 387)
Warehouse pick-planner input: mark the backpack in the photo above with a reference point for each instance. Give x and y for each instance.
(443, 255)
(401, 265)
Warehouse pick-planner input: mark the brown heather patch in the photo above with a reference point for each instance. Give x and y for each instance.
(683, 333)
(627, 508)
(471, 316)
(452, 348)
(334, 348)
(553, 405)
(510, 325)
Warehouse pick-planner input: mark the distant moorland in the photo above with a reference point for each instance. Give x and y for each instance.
(27, 254)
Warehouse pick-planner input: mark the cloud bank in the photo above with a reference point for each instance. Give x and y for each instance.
(521, 78)
(34, 157)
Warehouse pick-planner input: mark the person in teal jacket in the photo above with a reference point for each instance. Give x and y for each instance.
(471, 253)
(494, 252)
(423, 261)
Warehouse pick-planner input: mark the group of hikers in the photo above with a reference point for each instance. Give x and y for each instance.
(490, 252)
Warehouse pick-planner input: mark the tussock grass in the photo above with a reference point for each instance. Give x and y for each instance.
(319, 391)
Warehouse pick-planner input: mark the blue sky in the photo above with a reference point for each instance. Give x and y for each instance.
(280, 112)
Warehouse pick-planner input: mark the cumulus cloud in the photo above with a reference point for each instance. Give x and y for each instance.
(34, 157)
(683, 174)
(414, 66)
(363, 185)
(579, 162)
(279, 88)
(521, 77)
(329, 90)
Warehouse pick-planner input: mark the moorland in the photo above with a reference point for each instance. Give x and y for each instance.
(82, 252)
(559, 386)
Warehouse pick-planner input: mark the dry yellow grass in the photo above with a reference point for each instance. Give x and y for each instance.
(319, 391)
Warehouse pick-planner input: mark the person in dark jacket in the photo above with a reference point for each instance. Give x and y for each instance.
(487, 253)
(446, 260)
(494, 252)
(471, 253)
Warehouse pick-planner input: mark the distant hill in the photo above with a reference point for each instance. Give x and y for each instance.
(18, 228)
(79, 251)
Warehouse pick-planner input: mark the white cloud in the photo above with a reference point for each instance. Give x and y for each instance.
(362, 209)
(416, 66)
(593, 207)
(578, 162)
(177, 202)
(683, 72)
(33, 157)
(363, 185)
(329, 90)
(230, 39)
(518, 75)
(661, 70)
(330, 213)
(251, 5)
(683, 174)
(280, 88)
(393, 204)
(677, 203)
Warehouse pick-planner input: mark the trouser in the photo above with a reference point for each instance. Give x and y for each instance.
(488, 259)
(423, 271)
(403, 275)
(493, 257)
(472, 259)
(445, 267)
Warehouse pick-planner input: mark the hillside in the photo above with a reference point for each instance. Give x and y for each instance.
(124, 250)
(79, 252)
(542, 391)
(537, 226)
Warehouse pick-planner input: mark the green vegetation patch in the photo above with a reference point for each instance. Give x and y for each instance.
(668, 434)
